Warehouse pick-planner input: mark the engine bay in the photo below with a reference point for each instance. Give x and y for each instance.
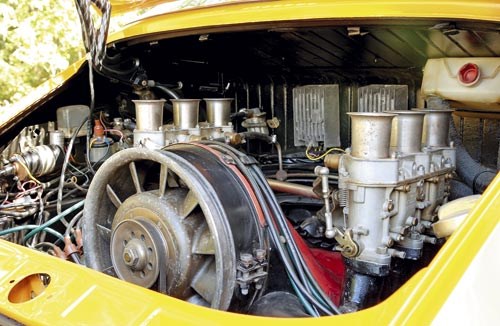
(280, 171)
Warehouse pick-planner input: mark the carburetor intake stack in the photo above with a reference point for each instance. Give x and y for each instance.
(371, 134)
(186, 126)
(442, 155)
(149, 118)
(186, 112)
(218, 117)
(218, 111)
(406, 133)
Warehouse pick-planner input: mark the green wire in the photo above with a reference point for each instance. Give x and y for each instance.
(31, 227)
(311, 286)
(53, 220)
(304, 301)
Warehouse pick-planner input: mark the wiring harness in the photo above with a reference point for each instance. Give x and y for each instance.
(312, 297)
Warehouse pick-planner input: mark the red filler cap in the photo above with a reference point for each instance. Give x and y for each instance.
(469, 74)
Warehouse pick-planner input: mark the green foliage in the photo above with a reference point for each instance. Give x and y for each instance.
(192, 3)
(38, 39)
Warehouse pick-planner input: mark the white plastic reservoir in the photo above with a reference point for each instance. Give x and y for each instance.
(468, 83)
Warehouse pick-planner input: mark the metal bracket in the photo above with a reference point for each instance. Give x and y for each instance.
(228, 160)
(348, 246)
(251, 270)
(248, 160)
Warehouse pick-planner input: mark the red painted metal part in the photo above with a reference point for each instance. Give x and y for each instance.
(326, 267)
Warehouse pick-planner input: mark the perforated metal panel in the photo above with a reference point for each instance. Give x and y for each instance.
(316, 115)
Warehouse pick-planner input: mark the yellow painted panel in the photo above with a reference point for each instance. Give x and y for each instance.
(246, 13)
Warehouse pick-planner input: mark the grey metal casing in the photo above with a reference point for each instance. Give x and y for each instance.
(316, 115)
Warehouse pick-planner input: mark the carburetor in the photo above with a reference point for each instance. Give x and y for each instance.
(186, 125)
(390, 194)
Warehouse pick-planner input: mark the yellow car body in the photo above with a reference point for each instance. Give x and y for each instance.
(459, 285)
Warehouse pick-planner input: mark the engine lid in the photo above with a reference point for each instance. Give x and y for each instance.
(123, 6)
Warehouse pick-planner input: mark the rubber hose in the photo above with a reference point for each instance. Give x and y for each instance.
(475, 175)
(459, 190)
(168, 91)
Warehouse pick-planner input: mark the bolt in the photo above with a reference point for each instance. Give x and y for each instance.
(429, 239)
(390, 206)
(130, 257)
(397, 253)
(260, 254)
(246, 259)
(404, 188)
(433, 180)
(396, 236)
(412, 221)
(427, 224)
